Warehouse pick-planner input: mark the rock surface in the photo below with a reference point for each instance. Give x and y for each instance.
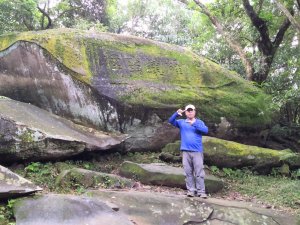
(30, 133)
(161, 209)
(126, 83)
(66, 210)
(12, 185)
(162, 174)
(230, 154)
(88, 178)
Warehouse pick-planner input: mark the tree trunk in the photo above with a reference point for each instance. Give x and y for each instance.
(267, 47)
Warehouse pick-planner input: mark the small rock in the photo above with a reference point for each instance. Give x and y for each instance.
(88, 178)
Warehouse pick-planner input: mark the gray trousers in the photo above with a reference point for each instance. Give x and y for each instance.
(194, 171)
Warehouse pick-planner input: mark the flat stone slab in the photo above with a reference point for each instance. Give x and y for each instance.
(13, 185)
(150, 208)
(28, 132)
(66, 210)
(165, 175)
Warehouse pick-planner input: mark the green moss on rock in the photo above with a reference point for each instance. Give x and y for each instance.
(162, 174)
(27, 137)
(86, 178)
(231, 154)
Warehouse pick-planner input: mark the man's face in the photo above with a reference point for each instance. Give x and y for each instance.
(190, 113)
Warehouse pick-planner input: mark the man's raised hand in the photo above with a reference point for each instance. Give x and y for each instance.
(180, 111)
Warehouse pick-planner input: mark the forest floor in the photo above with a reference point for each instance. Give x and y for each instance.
(267, 191)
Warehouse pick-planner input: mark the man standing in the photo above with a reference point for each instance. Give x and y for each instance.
(191, 130)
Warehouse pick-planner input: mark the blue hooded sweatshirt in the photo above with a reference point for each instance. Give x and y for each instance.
(191, 135)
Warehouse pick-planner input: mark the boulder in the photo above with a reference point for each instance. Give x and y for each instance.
(162, 174)
(165, 209)
(231, 154)
(88, 178)
(30, 133)
(13, 185)
(126, 83)
(66, 210)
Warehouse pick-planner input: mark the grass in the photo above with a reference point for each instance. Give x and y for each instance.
(274, 190)
(278, 191)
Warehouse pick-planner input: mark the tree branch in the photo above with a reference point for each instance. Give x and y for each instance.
(280, 34)
(288, 14)
(66, 11)
(234, 44)
(49, 25)
(261, 27)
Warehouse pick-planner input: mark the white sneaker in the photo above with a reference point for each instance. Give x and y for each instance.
(202, 195)
(190, 194)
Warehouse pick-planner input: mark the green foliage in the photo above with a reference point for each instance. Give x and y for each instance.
(160, 20)
(284, 88)
(275, 172)
(33, 167)
(80, 190)
(6, 213)
(230, 173)
(41, 174)
(83, 24)
(19, 15)
(82, 14)
(10, 205)
(107, 181)
(215, 170)
(45, 174)
(295, 174)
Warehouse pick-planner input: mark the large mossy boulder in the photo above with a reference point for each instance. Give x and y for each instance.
(30, 133)
(91, 179)
(164, 175)
(13, 185)
(126, 83)
(231, 154)
(66, 210)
